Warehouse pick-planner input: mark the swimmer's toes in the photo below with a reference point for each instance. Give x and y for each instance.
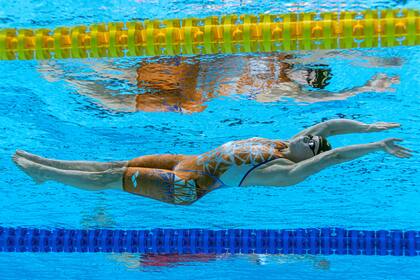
(32, 169)
(17, 159)
(26, 155)
(20, 152)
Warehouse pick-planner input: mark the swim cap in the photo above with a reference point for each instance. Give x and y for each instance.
(321, 76)
(324, 145)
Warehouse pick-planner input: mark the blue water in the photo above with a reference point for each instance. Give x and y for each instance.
(43, 111)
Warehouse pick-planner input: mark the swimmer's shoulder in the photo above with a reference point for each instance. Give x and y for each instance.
(256, 141)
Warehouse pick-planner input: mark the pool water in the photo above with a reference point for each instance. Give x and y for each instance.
(53, 109)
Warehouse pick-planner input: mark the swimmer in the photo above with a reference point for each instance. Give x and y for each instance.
(185, 84)
(183, 179)
(174, 259)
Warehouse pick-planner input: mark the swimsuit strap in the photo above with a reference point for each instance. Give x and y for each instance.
(255, 166)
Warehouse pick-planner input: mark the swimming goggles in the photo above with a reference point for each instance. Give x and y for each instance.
(311, 143)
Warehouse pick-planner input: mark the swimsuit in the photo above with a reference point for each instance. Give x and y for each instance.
(163, 185)
(193, 177)
(232, 162)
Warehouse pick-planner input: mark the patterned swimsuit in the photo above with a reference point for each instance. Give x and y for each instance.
(192, 178)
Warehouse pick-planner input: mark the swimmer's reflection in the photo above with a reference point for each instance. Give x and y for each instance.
(184, 84)
(100, 217)
(134, 261)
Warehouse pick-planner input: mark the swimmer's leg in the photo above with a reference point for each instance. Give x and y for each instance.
(160, 184)
(89, 166)
(94, 181)
(160, 161)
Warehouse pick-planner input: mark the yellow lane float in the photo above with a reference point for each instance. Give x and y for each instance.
(217, 34)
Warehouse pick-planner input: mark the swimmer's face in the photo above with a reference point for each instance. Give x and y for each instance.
(305, 147)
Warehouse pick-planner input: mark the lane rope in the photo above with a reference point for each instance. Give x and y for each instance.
(324, 241)
(216, 34)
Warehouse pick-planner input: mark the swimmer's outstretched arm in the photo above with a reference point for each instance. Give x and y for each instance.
(378, 83)
(286, 173)
(306, 168)
(345, 126)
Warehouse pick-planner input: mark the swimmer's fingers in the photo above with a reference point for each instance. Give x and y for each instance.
(398, 153)
(388, 125)
(380, 126)
(391, 140)
(403, 151)
(392, 148)
(382, 83)
(402, 154)
(403, 148)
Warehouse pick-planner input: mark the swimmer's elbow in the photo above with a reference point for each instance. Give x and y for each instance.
(298, 174)
(335, 157)
(326, 128)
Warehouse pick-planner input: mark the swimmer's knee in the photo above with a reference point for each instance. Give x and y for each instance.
(108, 179)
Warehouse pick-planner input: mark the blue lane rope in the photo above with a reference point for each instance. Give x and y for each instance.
(325, 241)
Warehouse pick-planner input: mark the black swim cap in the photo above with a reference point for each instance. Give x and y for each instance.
(322, 76)
(324, 145)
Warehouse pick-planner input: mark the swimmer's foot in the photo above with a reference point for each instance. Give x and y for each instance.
(71, 165)
(33, 169)
(31, 157)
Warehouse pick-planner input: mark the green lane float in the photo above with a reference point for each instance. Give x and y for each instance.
(217, 34)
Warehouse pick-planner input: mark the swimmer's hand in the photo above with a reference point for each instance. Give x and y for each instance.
(389, 146)
(382, 83)
(381, 126)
